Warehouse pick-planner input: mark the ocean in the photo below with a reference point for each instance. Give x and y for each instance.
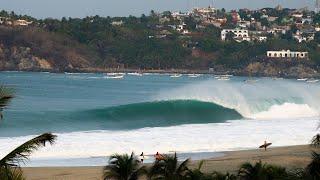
(196, 117)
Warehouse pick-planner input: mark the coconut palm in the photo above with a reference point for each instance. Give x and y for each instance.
(10, 164)
(123, 167)
(196, 174)
(169, 168)
(261, 171)
(315, 142)
(6, 94)
(313, 169)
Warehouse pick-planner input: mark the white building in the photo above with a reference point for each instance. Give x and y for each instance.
(117, 23)
(182, 28)
(287, 54)
(244, 24)
(239, 34)
(21, 22)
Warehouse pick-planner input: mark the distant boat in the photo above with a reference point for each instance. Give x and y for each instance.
(194, 75)
(224, 78)
(114, 76)
(135, 74)
(176, 75)
(312, 80)
(226, 75)
(302, 79)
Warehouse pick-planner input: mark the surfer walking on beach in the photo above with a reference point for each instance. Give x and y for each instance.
(141, 157)
(158, 156)
(265, 145)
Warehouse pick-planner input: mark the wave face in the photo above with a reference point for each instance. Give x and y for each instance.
(131, 116)
(162, 113)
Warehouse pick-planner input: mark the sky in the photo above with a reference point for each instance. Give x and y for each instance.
(82, 8)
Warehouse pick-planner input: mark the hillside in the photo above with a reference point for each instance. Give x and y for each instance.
(152, 42)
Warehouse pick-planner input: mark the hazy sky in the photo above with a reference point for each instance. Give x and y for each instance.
(81, 8)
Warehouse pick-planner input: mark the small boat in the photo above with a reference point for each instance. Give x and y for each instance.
(312, 80)
(224, 79)
(302, 79)
(117, 76)
(176, 75)
(227, 75)
(135, 74)
(194, 75)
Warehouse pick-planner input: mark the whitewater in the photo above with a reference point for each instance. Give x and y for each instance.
(95, 117)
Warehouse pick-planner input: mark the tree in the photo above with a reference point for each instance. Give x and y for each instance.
(6, 95)
(317, 37)
(316, 141)
(316, 19)
(196, 174)
(261, 171)
(313, 169)
(9, 165)
(229, 36)
(265, 22)
(169, 168)
(123, 167)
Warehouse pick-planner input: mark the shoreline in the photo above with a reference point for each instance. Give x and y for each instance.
(173, 71)
(290, 157)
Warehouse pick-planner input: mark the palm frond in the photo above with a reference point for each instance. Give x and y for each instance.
(315, 142)
(21, 153)
(200, 164)
(123, 167)
(6, 94)
(11, 173)
(313, 169)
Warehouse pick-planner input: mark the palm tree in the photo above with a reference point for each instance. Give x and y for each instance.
(196, 174)
(6, 94)
(10, 164)
(123, 167)
(261, 171)
(313, 169)
(315, 142)
(169, 168)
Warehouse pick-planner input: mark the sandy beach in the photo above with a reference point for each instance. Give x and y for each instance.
(290, 157)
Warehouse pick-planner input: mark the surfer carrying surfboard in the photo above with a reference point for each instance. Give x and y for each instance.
(265, 145)
(142, 157)
(158, 157)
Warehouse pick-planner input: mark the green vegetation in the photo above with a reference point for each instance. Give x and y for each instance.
(147, 42)
(123, 167)
(6, 95)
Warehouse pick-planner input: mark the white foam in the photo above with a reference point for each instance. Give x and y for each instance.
(286, 111)
(267, 99)
(233, 135)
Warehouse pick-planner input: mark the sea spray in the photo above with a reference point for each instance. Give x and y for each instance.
(253, 100)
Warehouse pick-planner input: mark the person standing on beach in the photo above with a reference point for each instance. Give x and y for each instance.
(141, 157)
